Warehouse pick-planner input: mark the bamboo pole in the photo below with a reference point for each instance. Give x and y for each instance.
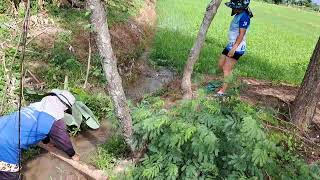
(78, 165)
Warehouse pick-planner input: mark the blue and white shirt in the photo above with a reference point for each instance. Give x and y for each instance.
(36, 121)
(241, 20)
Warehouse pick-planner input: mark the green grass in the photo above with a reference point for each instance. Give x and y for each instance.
(280, 40)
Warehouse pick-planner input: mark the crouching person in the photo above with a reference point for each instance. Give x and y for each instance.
(40, 121)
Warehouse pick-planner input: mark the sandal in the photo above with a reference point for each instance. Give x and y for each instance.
(219, 94)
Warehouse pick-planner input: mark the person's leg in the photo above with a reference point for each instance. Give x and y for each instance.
(221, 61)
(227, 72)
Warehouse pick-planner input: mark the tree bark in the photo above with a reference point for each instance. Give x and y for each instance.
(109, 64)
(195, 51)
(305, 104)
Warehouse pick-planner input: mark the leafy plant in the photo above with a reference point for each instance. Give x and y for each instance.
(208, 139)
(100, 104)
(108, 154)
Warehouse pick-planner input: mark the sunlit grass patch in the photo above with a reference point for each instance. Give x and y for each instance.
(280, 40)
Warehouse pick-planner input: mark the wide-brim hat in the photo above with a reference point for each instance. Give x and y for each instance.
(65, 96)
(238, 4)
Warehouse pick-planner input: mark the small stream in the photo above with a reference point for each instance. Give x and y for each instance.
(46, 166)
(148, 83)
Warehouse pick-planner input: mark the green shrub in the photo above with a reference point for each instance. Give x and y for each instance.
(108, 154)
(4, 6)
(210, 139)
(99, 103)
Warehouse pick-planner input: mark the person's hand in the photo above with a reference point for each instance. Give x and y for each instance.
(231, 53)
(50, 145)
(76, 157)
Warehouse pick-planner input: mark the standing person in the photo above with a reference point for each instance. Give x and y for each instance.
(40, 121)
(237, 39)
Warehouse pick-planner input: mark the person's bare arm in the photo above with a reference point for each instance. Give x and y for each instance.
(242, 32)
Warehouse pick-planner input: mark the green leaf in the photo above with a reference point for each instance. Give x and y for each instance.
(70, 120)
(88, 115)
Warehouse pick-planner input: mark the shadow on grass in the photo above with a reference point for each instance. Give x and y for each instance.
(171, 48)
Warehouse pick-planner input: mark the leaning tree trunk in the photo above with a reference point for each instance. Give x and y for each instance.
(305, 104)
(109, 64)
(195, 51)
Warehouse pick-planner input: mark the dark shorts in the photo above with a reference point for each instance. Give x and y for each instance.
(236, 55)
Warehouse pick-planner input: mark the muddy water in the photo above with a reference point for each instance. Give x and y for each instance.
(43, 167)
(48, 167)
(148, 83)
(148, 80)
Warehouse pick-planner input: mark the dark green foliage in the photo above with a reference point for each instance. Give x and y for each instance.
(108, 154)
(116, 146)
(208, 139)
(100, 103)
(302, 3)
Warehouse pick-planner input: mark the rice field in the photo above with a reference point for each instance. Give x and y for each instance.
(280, 40)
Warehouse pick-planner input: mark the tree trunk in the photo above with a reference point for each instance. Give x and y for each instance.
(195, 51)
(109, 64)
(305, 104)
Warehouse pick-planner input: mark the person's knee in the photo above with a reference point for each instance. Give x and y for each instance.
(227, 68)
(221, 61)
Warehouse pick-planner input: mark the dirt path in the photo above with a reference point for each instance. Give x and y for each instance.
(276, 96)
(253, 91)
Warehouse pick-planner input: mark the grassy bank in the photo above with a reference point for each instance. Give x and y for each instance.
(280, 41)
(58, 46)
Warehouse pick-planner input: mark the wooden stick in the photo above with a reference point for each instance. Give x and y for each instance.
(34, 77)
(80, 166)
(66, 82)
(88, 65)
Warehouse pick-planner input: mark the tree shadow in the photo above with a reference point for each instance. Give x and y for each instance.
(171, 48)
